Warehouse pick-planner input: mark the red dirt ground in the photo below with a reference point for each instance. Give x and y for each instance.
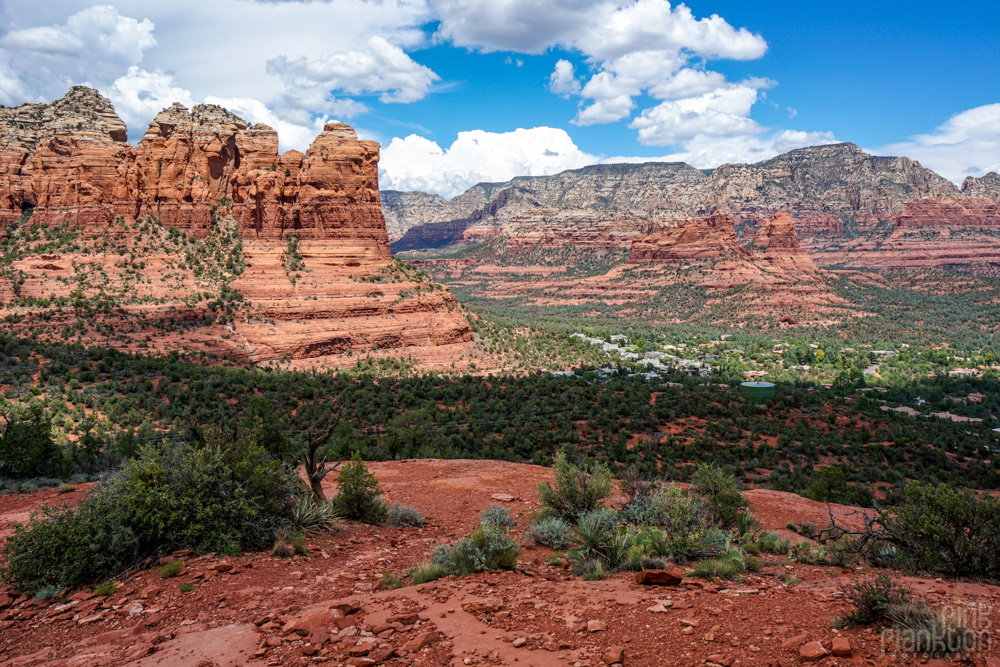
(259, 610)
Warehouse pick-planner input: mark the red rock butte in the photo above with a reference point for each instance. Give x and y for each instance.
(69, 163)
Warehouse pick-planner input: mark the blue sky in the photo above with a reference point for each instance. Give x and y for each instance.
(459, 91)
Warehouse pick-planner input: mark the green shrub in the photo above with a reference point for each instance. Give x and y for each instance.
(27, 448)
(725, 503)
(872, 598)
(171, 569)
(288, 544)
(482, 551)
(553, 533)
(401, 515)
(942, 529)
(358, 494)
(680, 513)
(105, 589)
(580, 487)
(187, 587)
(935, 632)
(47, 592)
(426, 572)
(729, 564)
(592, 570)
(496, 516)
(208, 499)
(829, 485)
(391, 581)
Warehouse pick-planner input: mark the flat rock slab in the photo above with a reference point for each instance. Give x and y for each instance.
(226, 646)
(659, 577)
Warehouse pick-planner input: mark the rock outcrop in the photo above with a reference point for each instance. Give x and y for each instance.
(70, 154)
(198, 171)
(708, 238)
(776, 248)
(985, 187)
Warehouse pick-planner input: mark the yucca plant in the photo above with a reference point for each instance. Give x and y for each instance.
(592, 537)
(748, 526)
(315, 515)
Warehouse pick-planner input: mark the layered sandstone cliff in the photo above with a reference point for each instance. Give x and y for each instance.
(222, 183)
(708, 238)
(822, 186)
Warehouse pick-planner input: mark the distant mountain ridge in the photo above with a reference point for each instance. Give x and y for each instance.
(833, 191)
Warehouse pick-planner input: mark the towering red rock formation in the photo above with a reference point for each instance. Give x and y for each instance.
(776, 248)
(707, 238)
(202, 170)
(69, 161)
(68, 155)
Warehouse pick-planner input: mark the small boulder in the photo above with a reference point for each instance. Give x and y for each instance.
(596, 626)
(794, 642)
(659, 577)
(841, 647)
(812, 651)
(421, 640)
(615, 655)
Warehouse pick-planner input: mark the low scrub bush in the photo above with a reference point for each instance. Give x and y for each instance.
(209, 499)
(580, 486)
(935, 632)
(729, 564)
(935, 528)
(426, 572)
(105, 589)
(401, 515)
(592, 570)
(872, 598)
(484, 550)
(171, 569)
(719, 488)
(288, 544)
(496, 516)
(553, 533)
(358, 494)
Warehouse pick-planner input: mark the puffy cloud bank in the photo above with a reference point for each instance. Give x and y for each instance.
(416, 163)
(968, 144)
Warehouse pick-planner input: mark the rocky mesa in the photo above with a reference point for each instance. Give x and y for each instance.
(205, 226)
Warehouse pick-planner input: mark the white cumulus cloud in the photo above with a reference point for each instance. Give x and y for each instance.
(723, 112)
(417, 163)
(380, 67)
(140, 95)
(94, 45)
(563, 79)
(706, 152)
(968, 144)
